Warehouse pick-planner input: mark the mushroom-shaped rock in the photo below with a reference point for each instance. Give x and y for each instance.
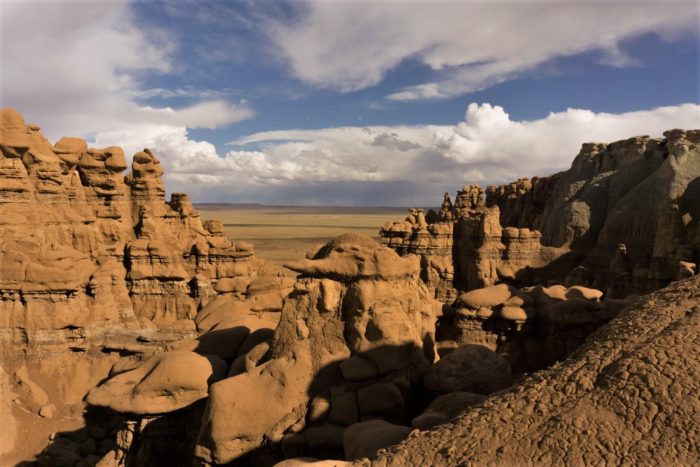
(164, 383)
(311, 462)
(516, 313)
(364, 439)
(446, 407)
(487, 297)
(584, 293)
(472, 368)
(356, 256)
(69, 150)
(548, 295)
(355, 302)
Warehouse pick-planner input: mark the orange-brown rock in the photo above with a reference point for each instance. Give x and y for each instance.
(355, 333)
(165, 383)
(629, 395)
(75, 233)
(95, 264)
(582, 226)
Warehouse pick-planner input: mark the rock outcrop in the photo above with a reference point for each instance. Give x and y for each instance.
(582, 226)
(354, 338)
(531, 327)
(629, 395)
(593, 211)
(97, 269)
(75, 232)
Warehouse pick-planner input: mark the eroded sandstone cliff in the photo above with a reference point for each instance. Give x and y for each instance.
(625, 219)
(96, 267)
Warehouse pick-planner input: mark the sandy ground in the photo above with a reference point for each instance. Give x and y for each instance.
(286, 233)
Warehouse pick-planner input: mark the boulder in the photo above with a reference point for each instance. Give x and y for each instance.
(486, 297)
(165, 383)
(472, 368)
(364, 439)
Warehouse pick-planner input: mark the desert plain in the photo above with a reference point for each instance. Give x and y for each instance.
(286, 233)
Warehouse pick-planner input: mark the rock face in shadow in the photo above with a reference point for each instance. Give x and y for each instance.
(642, 193)
(629, 395)
(354, 337)
(584, 226)
(531, 327)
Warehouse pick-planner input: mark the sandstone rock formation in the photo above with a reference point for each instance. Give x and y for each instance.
(582, 224)
(354, 337)
(531, 327)
(433, 242)
(580, 227)
(75, 232)
(629, 395)
(165, 383)
(98, 269)
(138, 334)
(593, 208)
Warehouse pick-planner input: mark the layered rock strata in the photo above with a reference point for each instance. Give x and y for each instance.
(97, 269)
(82, 245)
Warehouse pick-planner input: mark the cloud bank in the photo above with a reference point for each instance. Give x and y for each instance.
(396, 165)
(79, 65)
(470, 45)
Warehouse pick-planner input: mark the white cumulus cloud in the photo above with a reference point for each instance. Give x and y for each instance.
(78, 66)
(413, 165)
(471, 45)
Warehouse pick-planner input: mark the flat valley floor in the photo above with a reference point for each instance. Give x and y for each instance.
(285, 233)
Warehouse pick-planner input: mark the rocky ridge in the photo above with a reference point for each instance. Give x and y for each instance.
(582, 226)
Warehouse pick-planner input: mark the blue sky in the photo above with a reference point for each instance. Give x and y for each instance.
(325, 102)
